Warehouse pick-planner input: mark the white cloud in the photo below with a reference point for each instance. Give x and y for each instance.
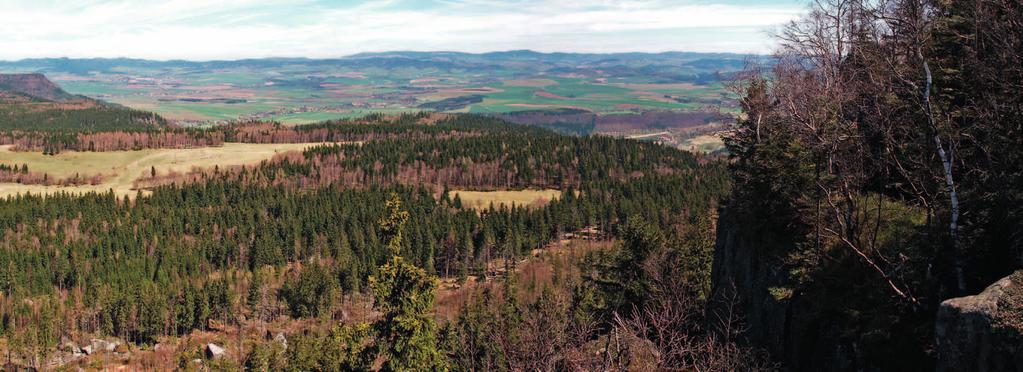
(229, 29)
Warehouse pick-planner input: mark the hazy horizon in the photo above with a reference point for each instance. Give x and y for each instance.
(253, 29)
(374, 52)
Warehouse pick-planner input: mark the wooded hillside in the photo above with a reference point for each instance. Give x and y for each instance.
(300, 238)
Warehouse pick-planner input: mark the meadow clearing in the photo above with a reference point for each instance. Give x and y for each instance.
(704, 143)
(120, 168)
(483, 199)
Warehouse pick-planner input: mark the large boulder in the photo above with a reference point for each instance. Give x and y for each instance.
(214, 351)
(983, 332)
(104, 345)
(628, 352)
(282, 340)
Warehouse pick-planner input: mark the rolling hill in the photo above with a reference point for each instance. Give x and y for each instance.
(34, 85)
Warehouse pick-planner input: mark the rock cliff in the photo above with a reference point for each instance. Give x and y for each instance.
(835, 322)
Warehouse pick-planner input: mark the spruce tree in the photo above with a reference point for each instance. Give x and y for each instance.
(404, 293)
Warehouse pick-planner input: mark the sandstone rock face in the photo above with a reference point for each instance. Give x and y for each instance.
(743, 270)
(983, 332)
(786, 321)
(793, 323)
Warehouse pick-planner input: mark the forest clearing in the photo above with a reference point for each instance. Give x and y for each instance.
(119, 169)
(484, 199)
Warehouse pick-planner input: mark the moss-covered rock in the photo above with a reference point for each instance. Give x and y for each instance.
(983, 332)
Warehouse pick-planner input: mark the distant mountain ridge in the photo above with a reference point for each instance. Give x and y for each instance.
(400, 59)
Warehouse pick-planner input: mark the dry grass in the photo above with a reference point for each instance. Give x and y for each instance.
(648, 135)
(121, 168)
(483, 199)
(533, 83)
(704, 143)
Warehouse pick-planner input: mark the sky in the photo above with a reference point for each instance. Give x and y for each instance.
(236, 29)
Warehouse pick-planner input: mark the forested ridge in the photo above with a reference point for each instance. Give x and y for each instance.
(150, 132)
(57, 119)
(32, 103)
(471, 151)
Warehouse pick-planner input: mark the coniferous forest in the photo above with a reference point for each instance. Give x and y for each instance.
(866, 214)
(309, 236)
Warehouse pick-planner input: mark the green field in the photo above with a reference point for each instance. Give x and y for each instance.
(316, 116)
(300, 92)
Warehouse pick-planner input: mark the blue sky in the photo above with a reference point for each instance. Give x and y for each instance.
(233, 29)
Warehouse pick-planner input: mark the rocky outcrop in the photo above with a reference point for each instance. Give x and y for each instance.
(68, 351)
(214, 351)
(282, 340)
(983, 332)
